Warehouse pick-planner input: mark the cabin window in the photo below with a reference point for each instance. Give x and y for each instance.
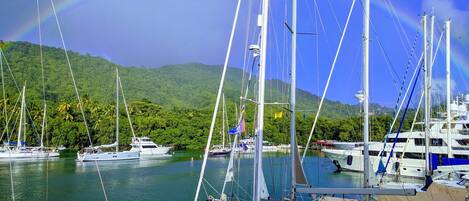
(461, 156)
(374, 153)
(149, 146)
(419, 142)
(463, 142)
(412, 155)
(391, 140)
(437, 142)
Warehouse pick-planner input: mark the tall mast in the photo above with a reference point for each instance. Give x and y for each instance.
(223, 118)
(4, 96)
(427, 101)
(448, 86)
(42, 74)
(293, 99)
(366, 39)
(20, 127)
(217, 103)
(263, 19)
(117, 109)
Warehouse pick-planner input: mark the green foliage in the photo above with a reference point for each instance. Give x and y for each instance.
(171, 104)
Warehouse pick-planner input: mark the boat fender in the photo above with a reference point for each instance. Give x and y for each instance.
(396, 166)
(337, 165)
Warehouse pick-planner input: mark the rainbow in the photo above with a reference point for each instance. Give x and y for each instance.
(458, 58)
(32, 23)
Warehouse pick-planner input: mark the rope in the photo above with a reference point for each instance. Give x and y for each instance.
(217, 103)
(17, 87)
(396, 109)
(126, 108)
(402, 120)
(43, 95)
(80, 103)
(328, 80)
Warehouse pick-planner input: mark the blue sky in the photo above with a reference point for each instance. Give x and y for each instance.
(153, 33)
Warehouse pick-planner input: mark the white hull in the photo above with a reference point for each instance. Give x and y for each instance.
(27, 154)
(265, 149)
(108, 156)
(151, 152)
(148, 148)
(407, 167)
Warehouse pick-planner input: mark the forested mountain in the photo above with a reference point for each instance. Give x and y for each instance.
(171, 104)
(184, 86)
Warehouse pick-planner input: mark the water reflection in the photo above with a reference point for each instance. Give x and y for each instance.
(167, 178)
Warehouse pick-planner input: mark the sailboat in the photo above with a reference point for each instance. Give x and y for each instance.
(299, 184)
(19, 150)
(221, 150)
(96, 153)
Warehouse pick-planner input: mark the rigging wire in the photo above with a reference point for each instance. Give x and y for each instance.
(80, 103)
(18, 88)
(217, 102)
(44, 119)
(328, 80)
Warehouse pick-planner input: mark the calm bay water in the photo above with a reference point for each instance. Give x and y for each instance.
(171, 178)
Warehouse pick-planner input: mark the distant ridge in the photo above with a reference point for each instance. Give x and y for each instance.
(191, 85)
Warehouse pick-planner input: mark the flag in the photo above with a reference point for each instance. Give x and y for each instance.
(239, 128)
(278, 115)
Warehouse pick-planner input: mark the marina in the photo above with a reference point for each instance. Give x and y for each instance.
(233, 101)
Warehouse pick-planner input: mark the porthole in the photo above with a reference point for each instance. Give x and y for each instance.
(349, 159)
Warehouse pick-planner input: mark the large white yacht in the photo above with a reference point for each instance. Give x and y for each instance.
(408, 157)
(147, 148)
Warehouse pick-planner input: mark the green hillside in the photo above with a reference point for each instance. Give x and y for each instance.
(183, 86)
(171, 104)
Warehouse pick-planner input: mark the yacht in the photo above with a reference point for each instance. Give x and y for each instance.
(247, 146)
(408, 157)
(148, 148)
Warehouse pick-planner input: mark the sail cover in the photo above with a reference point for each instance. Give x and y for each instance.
(299, 172)
(264, 190)
(108, 145)
(229, 172)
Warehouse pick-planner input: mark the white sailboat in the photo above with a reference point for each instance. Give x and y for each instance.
(221, 150)
(21, 151)
(96, 153)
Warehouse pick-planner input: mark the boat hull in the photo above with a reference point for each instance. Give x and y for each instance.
(352, 160)
(219, 153)
(27, 155)
(108, 156)
(151, 152)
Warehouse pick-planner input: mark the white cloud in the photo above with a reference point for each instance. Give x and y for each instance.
(439, 88)
(446, 9)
